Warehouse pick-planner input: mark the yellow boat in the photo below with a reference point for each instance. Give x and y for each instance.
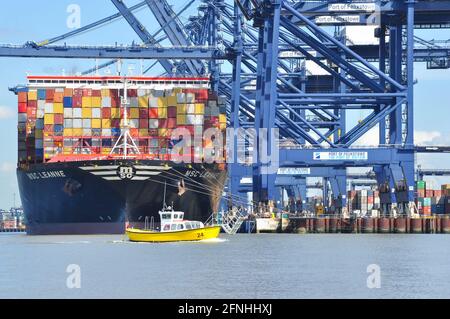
(174, 228)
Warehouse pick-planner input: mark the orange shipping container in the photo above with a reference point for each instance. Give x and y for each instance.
(68, 92)
(58, 97)
(22, 97)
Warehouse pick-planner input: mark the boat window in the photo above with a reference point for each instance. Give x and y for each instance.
(166, 216)
(180, 227)
(174, 227)
(167, 227)
(175, 216)
(188, 225)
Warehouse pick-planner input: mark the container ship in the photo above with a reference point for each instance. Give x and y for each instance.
(94, 153)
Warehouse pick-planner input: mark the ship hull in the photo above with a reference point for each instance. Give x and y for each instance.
(101, 197)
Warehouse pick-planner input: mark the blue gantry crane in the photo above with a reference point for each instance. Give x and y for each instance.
(256, 52)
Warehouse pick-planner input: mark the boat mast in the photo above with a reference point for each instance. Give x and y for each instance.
(125, 135)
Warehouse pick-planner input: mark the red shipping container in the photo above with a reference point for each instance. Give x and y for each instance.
(153, 113)
(31, 112)
(113, 93)
(201, 95)
(23, 96)
(22, 107)
(77, 101)
(77, 92)
(172, 111)
(115, 123)
(162, 123)
(87, 92)
(59, 119)
(143, 114)
(429, 193)
(132, 93)
(426, 210)
(32, 104)
(106, 112)
(171, 123)
(115, 102)
(143, 123)
(96, 93)
(49, 94)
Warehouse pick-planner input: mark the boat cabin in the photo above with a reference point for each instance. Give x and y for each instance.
(174, 221)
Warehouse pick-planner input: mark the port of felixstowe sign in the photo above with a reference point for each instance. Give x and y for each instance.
(346, 7)
(341, 156)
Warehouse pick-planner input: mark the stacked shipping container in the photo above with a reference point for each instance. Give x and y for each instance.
(363, 201)
(433, 201)
(54, 121)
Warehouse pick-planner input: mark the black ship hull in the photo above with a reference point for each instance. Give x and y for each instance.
(100, 197)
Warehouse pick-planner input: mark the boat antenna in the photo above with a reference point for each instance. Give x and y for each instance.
(165, 186)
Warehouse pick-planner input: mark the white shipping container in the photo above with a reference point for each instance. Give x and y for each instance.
(134, 102)
(190, 97)
(106, 101)
(68, 112)
(134, 123)
(153, 102)
(141, 92)
(87, 132)
(106, 132)
(40, 114)
(198, 120)
(87, 123)
(181, 98)
(77, 113)
(59, 90)
(153, 123)
(68, 123)
(48, 108)
(96, 113)
(41, 105)
(190, 119)
(190, 108)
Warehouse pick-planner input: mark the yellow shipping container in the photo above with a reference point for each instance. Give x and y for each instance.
(86, 101)
(162, 112)
(96, 101)
(106, 150)
(58, 108)
(181, 119)
(96, 123)
(222, 126)
(199, 108)
(32, 95)
(77, 132)
(49, 119)
(172, 100)
(162, 102)
(106, 123)
(222, 118)
(143, 101)
(68, 132)
(143, 132)
(105, 92)
(181, 109)
(134, 113)
(86, 113)
(115, 113)
(162, 132)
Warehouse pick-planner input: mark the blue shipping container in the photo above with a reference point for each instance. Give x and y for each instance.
(41, 93)
(67, 101)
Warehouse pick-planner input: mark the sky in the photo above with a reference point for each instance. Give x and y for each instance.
(25, 20)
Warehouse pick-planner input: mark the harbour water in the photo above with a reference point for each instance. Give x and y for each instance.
(240, 266)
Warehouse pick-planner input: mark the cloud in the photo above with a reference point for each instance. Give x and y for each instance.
(7, 167)
(424, 138)
(6, 112)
